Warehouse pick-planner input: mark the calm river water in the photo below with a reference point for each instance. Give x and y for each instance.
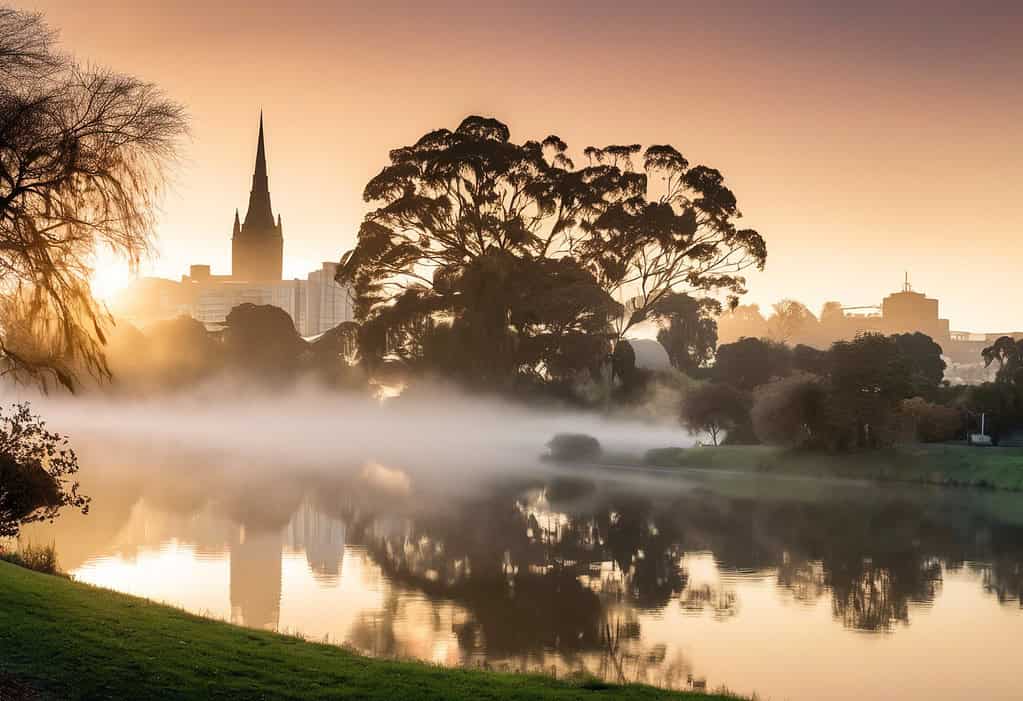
(793, 589)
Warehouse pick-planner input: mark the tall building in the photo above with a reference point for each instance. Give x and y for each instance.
(257, 244)
(327, 303)
(908, 312)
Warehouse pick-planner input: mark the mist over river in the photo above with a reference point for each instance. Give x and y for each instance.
(413, 532)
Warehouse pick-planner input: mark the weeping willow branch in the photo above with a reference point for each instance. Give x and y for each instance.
(84, 155)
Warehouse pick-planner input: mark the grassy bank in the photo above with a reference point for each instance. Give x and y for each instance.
(65, 640)
(943, 464)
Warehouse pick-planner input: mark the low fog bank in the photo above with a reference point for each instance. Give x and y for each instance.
(437, 431)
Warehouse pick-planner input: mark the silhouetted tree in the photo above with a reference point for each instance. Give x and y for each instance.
(923, 358)
(791, 411)
(791, 320)
(37, 471)
(82, 153)
(744, 321)
(1002, 404)
(751, 362)
(689, 331)
(810, 359)
(932, 422)
(715, 408)
(833, 324)
(261, 339)
(1008, 352)
(469, 219)
(869, 378)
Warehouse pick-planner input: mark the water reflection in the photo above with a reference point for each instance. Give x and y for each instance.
(664, 581)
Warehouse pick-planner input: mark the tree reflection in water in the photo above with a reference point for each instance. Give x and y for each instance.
(562, 570)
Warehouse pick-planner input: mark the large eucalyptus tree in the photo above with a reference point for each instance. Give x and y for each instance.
(527, 263)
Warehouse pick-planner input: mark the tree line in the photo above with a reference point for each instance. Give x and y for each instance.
(865, 393)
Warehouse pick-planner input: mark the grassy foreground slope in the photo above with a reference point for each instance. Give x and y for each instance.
(68, 640)
(944, 464)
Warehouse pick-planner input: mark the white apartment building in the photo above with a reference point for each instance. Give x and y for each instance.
(316, 304)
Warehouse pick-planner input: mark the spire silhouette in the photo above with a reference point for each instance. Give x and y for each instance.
(257, 247)
(260, 214)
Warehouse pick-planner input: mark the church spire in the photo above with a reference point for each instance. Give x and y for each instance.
(260, 171)
(257, 248)
(259, 215)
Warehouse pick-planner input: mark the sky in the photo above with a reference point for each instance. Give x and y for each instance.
(863, 140)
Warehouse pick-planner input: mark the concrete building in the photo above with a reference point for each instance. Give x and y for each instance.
(329, 303)
(908, 312)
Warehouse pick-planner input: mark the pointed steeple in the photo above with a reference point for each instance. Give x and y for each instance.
(259, 216)
(260, 171)
(257, 248)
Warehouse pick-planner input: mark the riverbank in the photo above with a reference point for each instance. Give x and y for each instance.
(940, 464)
(61, 639)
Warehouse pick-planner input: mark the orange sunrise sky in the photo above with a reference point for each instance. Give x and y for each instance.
(862, 139)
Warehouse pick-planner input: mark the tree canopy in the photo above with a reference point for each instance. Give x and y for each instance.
(689, 332)
(519, 256)
(1008, 353)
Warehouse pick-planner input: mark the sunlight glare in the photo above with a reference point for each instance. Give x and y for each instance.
(109, 277)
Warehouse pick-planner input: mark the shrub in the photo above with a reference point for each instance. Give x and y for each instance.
(574, 447)
(932, 423)
(36, 467)
(789, 411)
(41, 558)
(715, 408)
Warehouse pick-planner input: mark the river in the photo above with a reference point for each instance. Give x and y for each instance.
(790, 588)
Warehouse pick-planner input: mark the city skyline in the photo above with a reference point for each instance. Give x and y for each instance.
(823, 120)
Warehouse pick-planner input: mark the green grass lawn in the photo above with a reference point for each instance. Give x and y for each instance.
(67, 640)
(946, 464)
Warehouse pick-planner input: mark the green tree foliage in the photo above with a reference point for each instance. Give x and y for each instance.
(492, 259)
(1008, 353)
(930, 422)
(852, 396)
(689, 331)
(810, 359)
(715, 408)
(923, 356)
(82, 157)
(869, 378)
(574, 447)
(791, 411)
(1000, 401)
(37, 469)
(751, 362)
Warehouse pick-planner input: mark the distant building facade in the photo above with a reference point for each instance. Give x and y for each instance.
(315, 304)
(906, 311)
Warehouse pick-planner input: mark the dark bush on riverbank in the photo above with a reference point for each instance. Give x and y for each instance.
(932, 423)
(574, 447)
(37, 470)
(40, 558)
